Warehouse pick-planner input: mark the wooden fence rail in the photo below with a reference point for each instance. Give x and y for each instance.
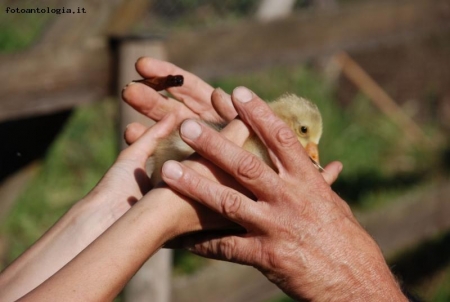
(47, 78)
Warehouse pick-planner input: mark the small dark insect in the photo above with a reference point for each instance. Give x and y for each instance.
(161, 83)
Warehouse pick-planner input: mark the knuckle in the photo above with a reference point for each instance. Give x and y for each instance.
(192, 182)
(230, 203)
(249, 167)
(261, 113)
(210, 142)
(284, 136)
(227, 248)
(290, 196)
(206, 248)
(269, 259)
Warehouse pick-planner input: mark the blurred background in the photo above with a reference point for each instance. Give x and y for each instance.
(378, 70)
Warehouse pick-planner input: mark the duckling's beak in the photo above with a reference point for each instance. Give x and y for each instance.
(313, 151)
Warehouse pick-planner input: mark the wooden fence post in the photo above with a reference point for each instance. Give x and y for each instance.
(153, 281)
(382, 100)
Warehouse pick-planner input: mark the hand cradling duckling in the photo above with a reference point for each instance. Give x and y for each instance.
(302, 116)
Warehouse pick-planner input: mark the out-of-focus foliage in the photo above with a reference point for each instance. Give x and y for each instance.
(20, 30)
(164, 16)
(177, 8)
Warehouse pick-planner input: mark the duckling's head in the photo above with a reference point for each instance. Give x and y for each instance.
(304, 118)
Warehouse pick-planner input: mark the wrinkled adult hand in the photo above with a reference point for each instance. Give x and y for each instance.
(300, 234)
(195, 99)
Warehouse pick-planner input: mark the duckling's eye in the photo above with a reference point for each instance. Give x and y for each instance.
(304, 129)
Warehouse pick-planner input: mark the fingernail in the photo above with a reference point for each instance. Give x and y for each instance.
(242, 94)
(340, 167)
(129, 84)
(171, 169)
(140, 58)
(191, 129)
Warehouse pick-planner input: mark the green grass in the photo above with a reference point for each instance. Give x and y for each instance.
(19, 31)
(282, 298)
(442, 290)
(186, 263)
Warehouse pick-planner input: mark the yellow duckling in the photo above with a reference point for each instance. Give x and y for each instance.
(301, 115)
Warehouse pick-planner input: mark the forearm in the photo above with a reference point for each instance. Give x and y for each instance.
(81, 225)
(101, 270)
